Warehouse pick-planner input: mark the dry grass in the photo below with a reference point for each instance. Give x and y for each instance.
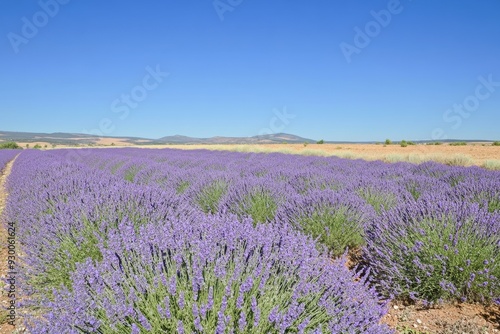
(473, 154)
(492, 164)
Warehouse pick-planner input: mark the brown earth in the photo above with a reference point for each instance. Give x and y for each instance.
(449, 319)
(457, 318)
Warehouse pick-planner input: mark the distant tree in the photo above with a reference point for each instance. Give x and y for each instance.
(37, 147)
(321, 141)
(112, 144)
(27, 145)
(404, 143)
(388, 142)
(305, 144)
(10, 145)
(496, 143)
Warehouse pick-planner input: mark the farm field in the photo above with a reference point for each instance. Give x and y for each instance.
(134, 240)
(473, 154)
(478, 154)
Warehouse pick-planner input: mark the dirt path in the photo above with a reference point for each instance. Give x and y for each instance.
(5, 327)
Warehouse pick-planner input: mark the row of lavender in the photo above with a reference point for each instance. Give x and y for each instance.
(163, 254)
(6, 156)
(430, 232)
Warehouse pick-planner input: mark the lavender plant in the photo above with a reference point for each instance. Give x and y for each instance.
(379, 199)
(337, 220)
(63, 210)
(208, 198)
(255, 199)
(436, 250)
(6, 156)
(212, 275)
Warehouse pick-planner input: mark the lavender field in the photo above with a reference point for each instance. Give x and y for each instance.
(171, 241)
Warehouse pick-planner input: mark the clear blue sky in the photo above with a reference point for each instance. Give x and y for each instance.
(229, 77)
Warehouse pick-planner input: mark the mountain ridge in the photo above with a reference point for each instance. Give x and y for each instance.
(88, 139)
(63, 138)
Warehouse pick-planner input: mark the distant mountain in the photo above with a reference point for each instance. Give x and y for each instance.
(75, 139)
(262, 139)
(60, 138)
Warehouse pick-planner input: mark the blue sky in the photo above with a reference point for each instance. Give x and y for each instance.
(341, 70)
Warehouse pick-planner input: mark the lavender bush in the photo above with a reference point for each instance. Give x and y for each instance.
(436, 250)
(337, 219)
(6, 156)
(62, 210)
(254, 198)
(212, 275)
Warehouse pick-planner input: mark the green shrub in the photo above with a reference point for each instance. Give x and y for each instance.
(37, 147)
(496, 143)
(10, 145)
(404, 143)
(461, 143)
(321, 141)
(388, 142)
